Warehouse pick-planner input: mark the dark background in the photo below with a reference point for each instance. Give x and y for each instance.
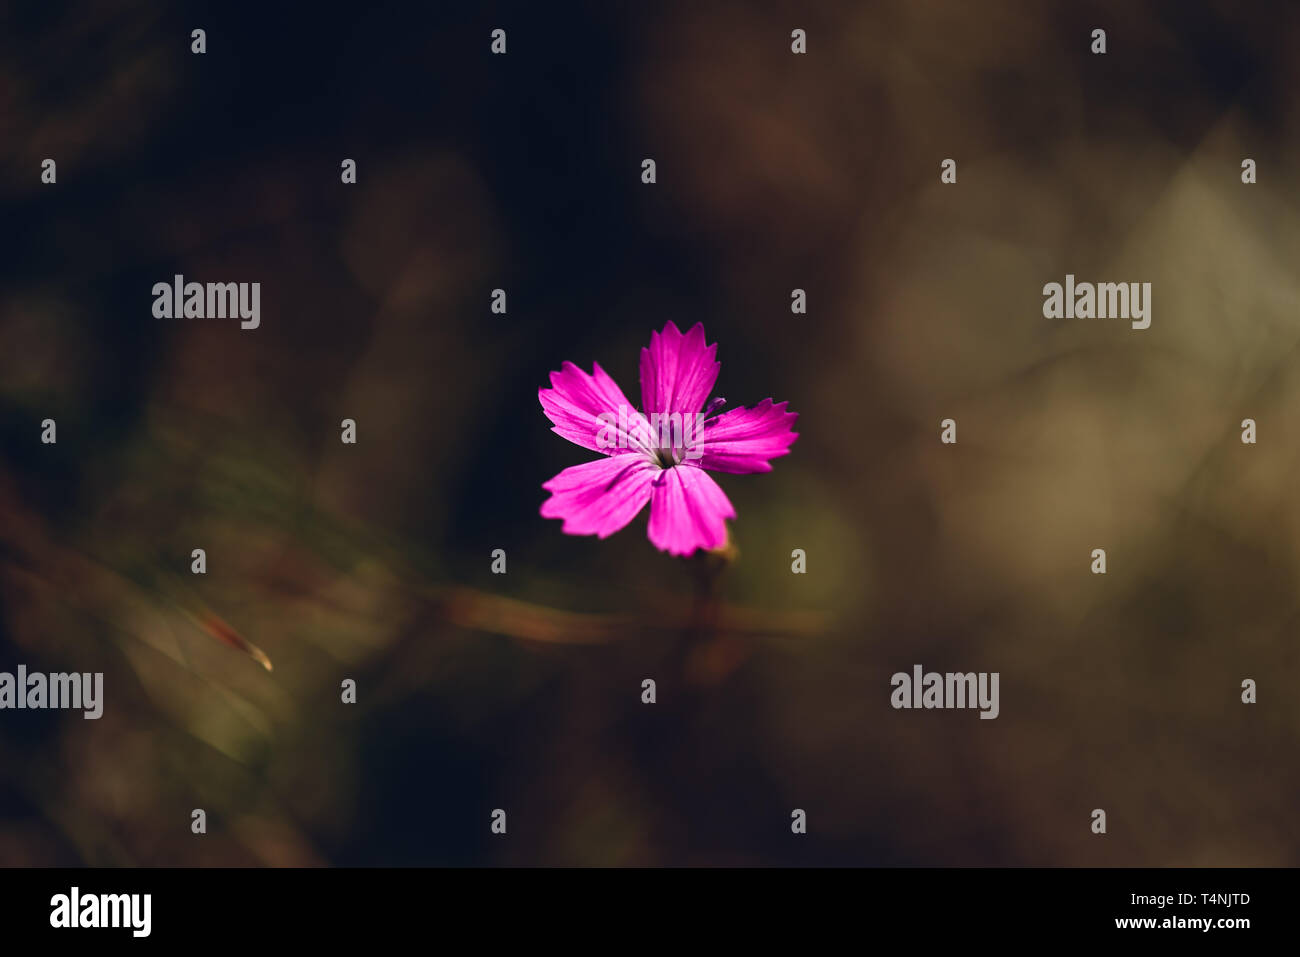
(522, 691)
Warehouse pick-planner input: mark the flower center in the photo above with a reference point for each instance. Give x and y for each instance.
(664, 458)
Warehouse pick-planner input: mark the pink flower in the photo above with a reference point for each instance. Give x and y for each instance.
(660, 453)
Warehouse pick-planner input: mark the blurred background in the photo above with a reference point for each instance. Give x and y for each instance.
(775, 171)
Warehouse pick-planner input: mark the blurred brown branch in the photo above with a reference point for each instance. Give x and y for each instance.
(482, 611)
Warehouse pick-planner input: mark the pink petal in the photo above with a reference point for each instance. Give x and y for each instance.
(677, 371)
(688, 511)
(576, 403)
(743, 440)
(600, 497)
